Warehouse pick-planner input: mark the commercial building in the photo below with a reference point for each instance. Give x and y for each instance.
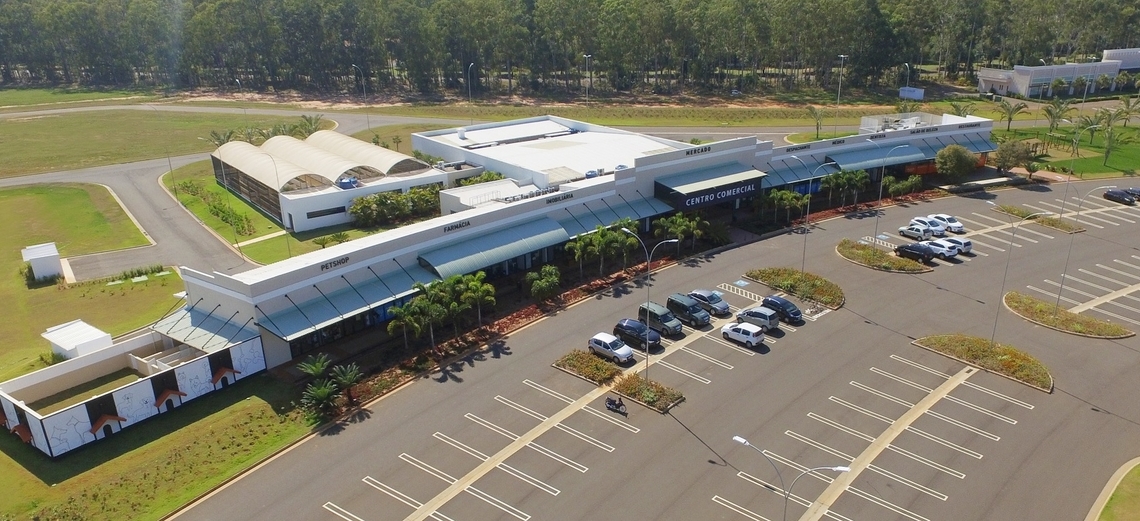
(563, 178)
(1036, 81)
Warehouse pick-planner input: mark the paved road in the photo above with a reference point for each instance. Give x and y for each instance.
(822, 393)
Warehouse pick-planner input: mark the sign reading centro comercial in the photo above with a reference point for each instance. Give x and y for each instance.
(716, 195)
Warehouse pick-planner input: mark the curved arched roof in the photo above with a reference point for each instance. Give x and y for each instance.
(318, 161)
(275, 172)
(387, 161)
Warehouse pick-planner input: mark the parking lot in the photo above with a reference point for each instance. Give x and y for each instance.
(506, 436)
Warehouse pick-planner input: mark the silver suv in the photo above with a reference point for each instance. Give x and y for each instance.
(609, 346)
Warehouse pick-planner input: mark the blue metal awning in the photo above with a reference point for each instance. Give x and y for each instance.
(199, 329)
(789, 172)
(871, 158)
(978, 144)
(492, 248)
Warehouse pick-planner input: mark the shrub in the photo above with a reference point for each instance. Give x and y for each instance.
(1059, 224)
(873, 257)
(1015, 211)
(999, 358)
(139, 272)
(801, 284)
(588, 366)
(655, 395)
(51, 357)
(1048, 313)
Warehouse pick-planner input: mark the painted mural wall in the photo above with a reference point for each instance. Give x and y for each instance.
(194, 378)
(135, 402)
(68, 429)
(248, 358)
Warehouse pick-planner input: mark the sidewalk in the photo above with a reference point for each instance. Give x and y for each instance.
(1052, 177)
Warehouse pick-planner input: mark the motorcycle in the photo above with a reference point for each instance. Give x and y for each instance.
(615, 405)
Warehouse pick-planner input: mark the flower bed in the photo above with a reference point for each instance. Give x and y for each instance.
(1048, 315)
(874, 258)
(588, 366)
(1001, 359)
(1059, 224)
(652, 394)
(801, 284)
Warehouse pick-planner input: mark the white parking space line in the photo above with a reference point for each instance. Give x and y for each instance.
(706, 358)
(401, 497)
(897, 450)
(932, 414)
(989, 218)
(1071, 288)
(872, 467)
(1054, 295)
(1102, 277)
(533, 446)
(1087, 283)
(340, 512)
(502, 466)
(568, 430)
(548, 391)
(920, 432)
(1035, 232)
(1114, 315)
(1085, 215)
(1071, 208)
(791, 497)
(1122, 306)
(990, 246)
(730, 345)
(1021, 237)
(737, 290)
(948, 398)
(738, 509)
(443, 476)
(690, 374)
(1115, 214)
(1119, 272)
(974, 386)
(1037, 208)
(887, 505)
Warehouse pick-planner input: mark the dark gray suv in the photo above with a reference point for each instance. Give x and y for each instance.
(633, 332)
(783, 307)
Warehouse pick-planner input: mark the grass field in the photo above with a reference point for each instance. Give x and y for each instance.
(79, 219)
(1125, 501)
(1124, 161)
(38, 99)
(69, 141)
(80, 393)
(387, 134)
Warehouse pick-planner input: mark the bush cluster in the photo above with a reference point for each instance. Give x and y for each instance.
(1047, 313)
(1059, 224)
(218, 207)
(387, 208)
(873, 257)
(588, 366)
(1015, 211)
(656, 396)
(139, 272)
(999, 358)
(485, 177)
(801, 284)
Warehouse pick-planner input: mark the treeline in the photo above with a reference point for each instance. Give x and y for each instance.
(536, 46)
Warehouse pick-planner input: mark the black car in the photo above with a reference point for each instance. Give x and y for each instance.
(633, 332)
(918, 252)
(788, 312)
(1119, 196)
(1134, 192)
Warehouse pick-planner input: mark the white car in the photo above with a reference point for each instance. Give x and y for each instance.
(935, 226)
(942, 249)
(964, 245)
(609, 346)
(918, 233)
(748, 334)
(948, 221)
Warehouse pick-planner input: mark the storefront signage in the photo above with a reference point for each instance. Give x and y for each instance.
(695, 151)
(334, 263)
(456, 226)
(970, 125)
(557, 198)
(924, 130)
(839, 142)
(720, 195)
(797, 149)
(876, 136)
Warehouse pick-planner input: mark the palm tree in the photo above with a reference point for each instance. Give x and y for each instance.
(1129, 106)
(600, 242)
(1113, 140)
(308, 126)
(816, 115)
(322, 241)
(448, 293)
(697, 227)
(907, 106)
(625, 242)
(346, 376)
(1080, 84)
(673, 226)
(427, 310)
(831, 183)
(218, 139)
(476, 291)
(857, 181)
(782, 199)
(315, 366)
(339, 237)
(1008, 111)
(962, 109)
(320, 397)
(1056, 112)
(1091, 123)
(396, 141)
(402, 319)
(579, 249)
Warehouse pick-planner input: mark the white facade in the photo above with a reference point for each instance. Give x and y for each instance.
(1037, 81)
(44, 259)
(1129, 58)
(76, 338)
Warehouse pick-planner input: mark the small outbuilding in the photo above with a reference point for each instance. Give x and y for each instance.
(44, 259)
(76, 338)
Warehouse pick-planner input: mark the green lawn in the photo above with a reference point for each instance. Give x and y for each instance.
(70, 141)
(152, 468)
(1125, 501)
(80, 393)
(12, 100)
(1123, 161)
(389, 133)
(79, 219)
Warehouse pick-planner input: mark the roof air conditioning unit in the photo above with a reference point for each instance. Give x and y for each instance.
(461, 133)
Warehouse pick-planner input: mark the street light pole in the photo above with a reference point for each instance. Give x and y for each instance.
(807, 215)
(1076, 143)
(648, 275)
(788, 492)
(243, 109)
(1065, 272)
(907, 75)
(472, 64)
(169, 165)
(364, 87)
(591, 82)
(882, 174)
(1008, 257)
(835, 129)
(742, 441)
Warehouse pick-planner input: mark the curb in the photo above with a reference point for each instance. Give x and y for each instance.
(1054, 328)
(980, 368)
(833, 308)
(1110, 488)
(925, 269)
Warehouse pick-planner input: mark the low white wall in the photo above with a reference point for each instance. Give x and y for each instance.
(69, 373)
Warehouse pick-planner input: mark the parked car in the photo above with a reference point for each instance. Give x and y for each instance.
(1119, 196)
(688, 310)
(609, 346)
(711, 301)
(743, 332)
(918, 233)
(916, 251)
(941, 250)
(788, 312)
(949, 222)
(935, 227)
(1134, 192)
(964, 245)
(633, 332)
(760, 316)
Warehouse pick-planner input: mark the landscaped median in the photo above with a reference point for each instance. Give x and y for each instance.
(807, 286)
(874, 258)
(1047, 221)
(1001, 359)
(589, 367)
(1049, 315)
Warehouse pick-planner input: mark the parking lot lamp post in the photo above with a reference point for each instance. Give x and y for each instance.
(1065, 272)
(838, 93)
(364, 87)
(1008, 257)
(648, 274)
(591, 83)
(882, 174)
(807, 214)
(907, 75)
(1077, 142)
(742, 441)
(788, 492)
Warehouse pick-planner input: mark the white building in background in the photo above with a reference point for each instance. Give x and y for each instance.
(44, 259)
(1035, 81)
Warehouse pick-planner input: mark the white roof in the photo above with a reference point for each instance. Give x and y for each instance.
(39, 251)
(74, 333)
(580, 152)
(317, 160)
(387, 161)
(506, 133)
(271, 171)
